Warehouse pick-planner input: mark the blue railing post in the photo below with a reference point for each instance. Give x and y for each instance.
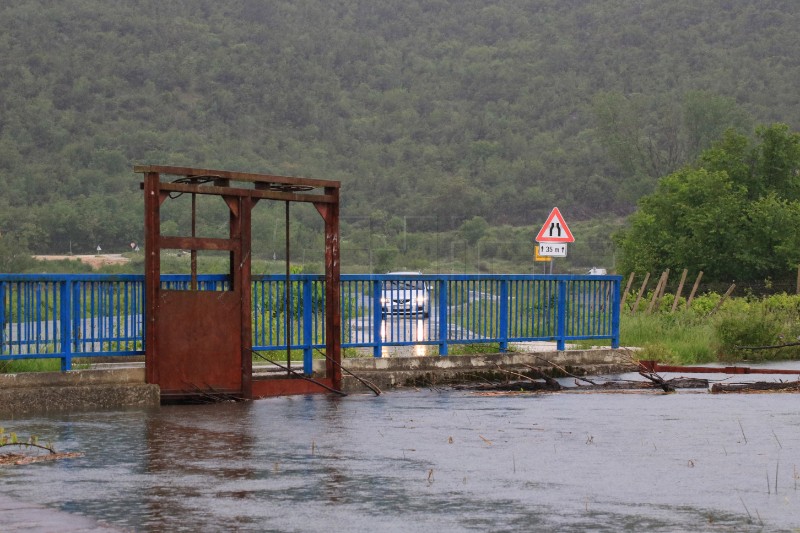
(443, 330)
(65, 312)
(377, 319)
(504, 307)
(616, 309)
(77, 317)
(561, 324)
(2, 316)
(308, 341)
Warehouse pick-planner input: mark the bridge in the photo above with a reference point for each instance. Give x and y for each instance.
(86, 316)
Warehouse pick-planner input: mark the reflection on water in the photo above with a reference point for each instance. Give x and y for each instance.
(419, 337)
(426, 460)
(407, 329)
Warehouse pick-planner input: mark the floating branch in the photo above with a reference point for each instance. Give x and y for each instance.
(31, 444)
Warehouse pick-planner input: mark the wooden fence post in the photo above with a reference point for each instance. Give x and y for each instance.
(721, 300)
(694, 290)
(664, 285)
(625, 294)
(680, 289)
(661, 282)
(798, 280)
(641, 290)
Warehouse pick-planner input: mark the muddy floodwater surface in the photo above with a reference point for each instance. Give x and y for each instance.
(429, 460)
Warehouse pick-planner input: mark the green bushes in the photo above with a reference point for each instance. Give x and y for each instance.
(700, 335)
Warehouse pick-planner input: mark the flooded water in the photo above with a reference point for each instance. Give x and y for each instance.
(429, 460)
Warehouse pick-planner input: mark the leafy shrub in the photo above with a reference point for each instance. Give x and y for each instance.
(735, 330)
(784, 304)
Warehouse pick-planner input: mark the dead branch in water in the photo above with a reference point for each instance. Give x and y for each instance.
(551, 383)
(758, 386)
(562, 370)
(24, 459)
(658, 380)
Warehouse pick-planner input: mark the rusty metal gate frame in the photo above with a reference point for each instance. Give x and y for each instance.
(191, 348)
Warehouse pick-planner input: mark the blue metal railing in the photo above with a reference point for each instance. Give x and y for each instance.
(67, 316)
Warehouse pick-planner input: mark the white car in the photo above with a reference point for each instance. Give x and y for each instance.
(405, 296)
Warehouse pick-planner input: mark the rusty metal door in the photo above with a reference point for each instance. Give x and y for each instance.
(198, 339)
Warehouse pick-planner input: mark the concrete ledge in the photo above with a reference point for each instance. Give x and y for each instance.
(39, 392)
(73, 377)
(389, 373)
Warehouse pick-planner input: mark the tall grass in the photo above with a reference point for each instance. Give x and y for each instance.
(699, 335)
(30, 365)
(669, 338)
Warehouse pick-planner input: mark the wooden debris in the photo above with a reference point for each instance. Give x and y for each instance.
(25, 459)
(511, 386)
(758, 386)
(551, 384)
(674, 383)
(655, 378)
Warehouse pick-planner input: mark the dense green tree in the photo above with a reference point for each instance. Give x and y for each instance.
(14, 254)
(473, 229)
(734, 215)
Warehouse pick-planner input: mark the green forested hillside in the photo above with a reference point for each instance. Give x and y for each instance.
(431, 112)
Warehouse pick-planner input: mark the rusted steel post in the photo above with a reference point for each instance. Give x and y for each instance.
(152, 269)
(287, 291)
(245, 288)
(333, 320)
(193, 253)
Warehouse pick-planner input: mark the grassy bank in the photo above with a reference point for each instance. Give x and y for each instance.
(702, 335)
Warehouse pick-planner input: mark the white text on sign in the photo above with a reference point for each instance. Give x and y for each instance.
(553, 249)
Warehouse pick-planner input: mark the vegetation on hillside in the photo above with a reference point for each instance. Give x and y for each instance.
(430, 112)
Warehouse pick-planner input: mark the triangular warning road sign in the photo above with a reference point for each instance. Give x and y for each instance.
(555, 229)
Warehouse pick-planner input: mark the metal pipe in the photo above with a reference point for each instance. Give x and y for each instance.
(654, 366)
(286, 293)
(193, 253)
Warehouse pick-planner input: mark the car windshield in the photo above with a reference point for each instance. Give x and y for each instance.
(404, 285)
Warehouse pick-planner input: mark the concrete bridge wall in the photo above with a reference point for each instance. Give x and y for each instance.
(41, 392)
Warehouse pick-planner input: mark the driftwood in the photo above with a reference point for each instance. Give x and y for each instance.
(564, 370)
(539, 386)
(25, 459)
(758, 386)
(512, 386)
(656, 379)
(674, 383)
(550, 383)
